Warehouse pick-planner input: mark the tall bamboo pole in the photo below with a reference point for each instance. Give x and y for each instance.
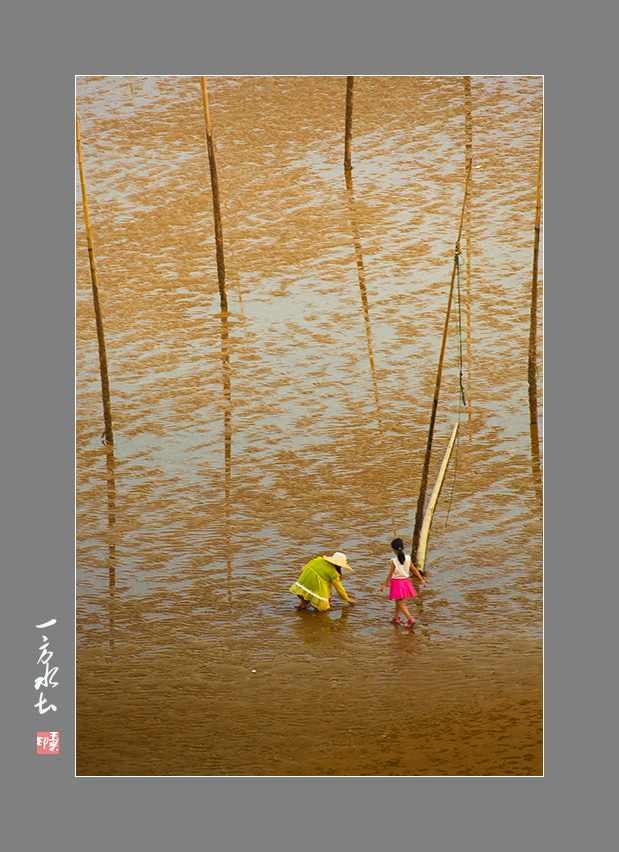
(105, 383)
(426, 464)
(219, 241)
(468, 121)
(348, 129)
(532, 368)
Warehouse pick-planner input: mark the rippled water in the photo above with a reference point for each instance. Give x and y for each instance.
(246, 443)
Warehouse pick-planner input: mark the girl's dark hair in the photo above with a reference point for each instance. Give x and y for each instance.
(398, 545)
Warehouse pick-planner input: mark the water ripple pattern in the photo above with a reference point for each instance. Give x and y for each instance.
(295, 424)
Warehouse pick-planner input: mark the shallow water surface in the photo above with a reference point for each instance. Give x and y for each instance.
(295, 424)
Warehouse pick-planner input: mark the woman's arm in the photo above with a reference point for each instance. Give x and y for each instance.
(389, 575)
(339, 588)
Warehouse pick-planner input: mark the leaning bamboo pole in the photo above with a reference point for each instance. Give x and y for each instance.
(348, 128)
(219, 241)
(532, 367)
(420, 559)
(426, 464)
(105, 382)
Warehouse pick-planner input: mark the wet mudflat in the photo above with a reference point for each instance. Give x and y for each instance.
(295, 424)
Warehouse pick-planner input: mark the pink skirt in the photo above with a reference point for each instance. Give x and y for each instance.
(401, 589)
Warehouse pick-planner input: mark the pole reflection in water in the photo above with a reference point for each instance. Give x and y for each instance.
(536, 465)
(354, 224)
(314, 629)
(111, 521)
(468, 157)
(227, 395)
(363, 290)
(221, 690)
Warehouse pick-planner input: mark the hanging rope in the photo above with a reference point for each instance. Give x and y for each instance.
(426, 463)
(462, 397)
(458, 259)
(453, 484)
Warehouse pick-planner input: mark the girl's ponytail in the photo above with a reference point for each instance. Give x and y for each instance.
(398, 544)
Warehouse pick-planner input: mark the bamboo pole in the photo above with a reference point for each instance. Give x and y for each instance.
(468, 121)
(219, 241)
(426, 464)
(427, 521)
(348, 129)
(532, 367)
(105, 383)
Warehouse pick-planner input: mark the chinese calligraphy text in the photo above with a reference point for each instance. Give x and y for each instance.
(46, 680)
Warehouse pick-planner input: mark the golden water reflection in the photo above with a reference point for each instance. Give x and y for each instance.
(321, 376)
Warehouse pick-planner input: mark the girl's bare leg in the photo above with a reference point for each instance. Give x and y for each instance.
(396, 610)
(404, 609)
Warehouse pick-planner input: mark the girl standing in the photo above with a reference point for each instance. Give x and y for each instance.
(400, 586)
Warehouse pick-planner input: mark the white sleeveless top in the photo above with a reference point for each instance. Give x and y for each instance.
(401, 571)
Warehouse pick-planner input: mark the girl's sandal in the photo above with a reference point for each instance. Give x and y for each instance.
(396, 620)
(410, 622)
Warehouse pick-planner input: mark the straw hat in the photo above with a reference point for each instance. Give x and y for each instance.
(338, 559)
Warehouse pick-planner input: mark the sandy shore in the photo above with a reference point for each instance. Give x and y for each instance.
(501, 737)
(176, 715)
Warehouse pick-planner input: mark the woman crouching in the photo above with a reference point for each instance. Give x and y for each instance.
(313, 588)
